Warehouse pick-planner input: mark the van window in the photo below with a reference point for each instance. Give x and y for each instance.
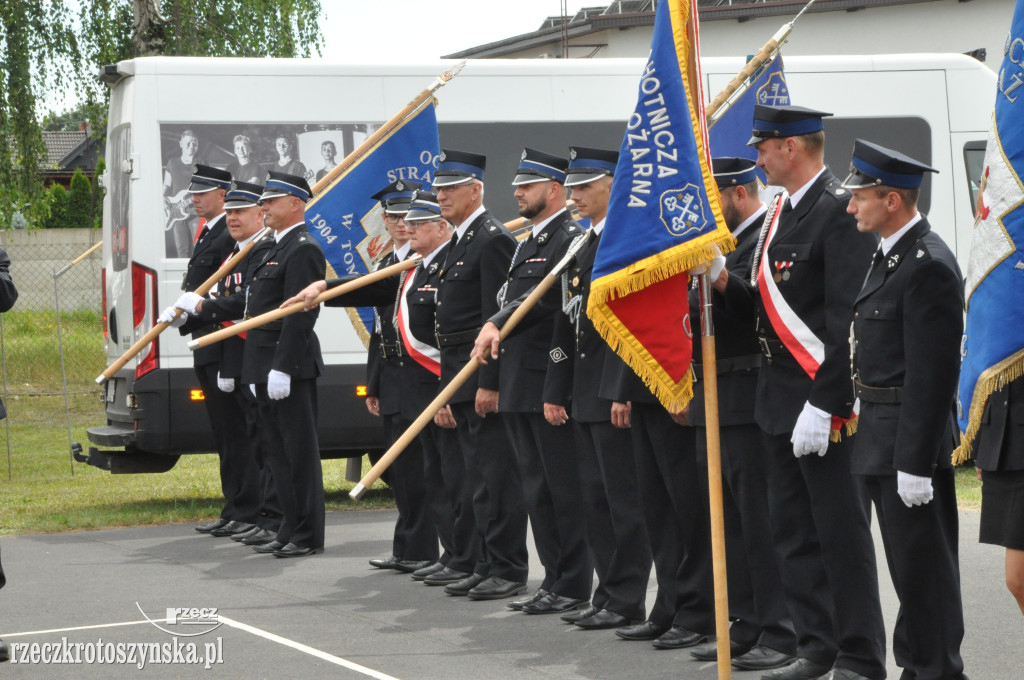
(120, 196)
(974, 164)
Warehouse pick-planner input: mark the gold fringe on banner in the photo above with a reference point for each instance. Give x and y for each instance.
(991, 380)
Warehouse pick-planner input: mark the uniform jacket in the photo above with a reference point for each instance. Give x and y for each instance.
(1000, 443)
(382, 373)
(288, 345)
(818, 245)
(8, 295)
(212, 248)
(413, 387)
(228, 304)
(580, 359)
(525, 353)
(908, 321)
(471, 274)
(734, 340)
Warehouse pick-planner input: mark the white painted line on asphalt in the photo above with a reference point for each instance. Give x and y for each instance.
(337, 660)
(66, 630)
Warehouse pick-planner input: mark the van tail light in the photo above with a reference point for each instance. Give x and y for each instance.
(144, 313)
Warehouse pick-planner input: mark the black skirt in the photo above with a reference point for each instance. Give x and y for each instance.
(1002, 508)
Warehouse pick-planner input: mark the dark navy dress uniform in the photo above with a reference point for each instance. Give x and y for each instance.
(999, 453)
(578, 362)
(821, 529)
(239, 475)
(757, 603)
(472, 272)
(289, 345)
(908, 322)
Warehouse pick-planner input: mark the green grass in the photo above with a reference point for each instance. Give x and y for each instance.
(45, 493)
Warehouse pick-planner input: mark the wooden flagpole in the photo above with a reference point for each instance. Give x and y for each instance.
(209, 283)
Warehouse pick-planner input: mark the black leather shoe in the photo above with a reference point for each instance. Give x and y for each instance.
(709, 650)
(409, 566)
(678, 637)
(603, 620)
(246, 534)
(268, 548)
(760, 658)
(553, 604)
(446, 576)
(421, 574)
(460, 588)
(292, 550)
(5, 653)
(261, 537)
(388, 562)
(842, 674)
(579, 614)
(648, 630)
(529, 599)
(798, 669)
(495, 588)
(210, 526)
(231, 528)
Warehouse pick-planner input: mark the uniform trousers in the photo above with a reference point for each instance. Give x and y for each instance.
(450, 507)
(289, 436)
(415, 535)
(239, 471)
(822, 536)
(270, 506)
(922, 553)
(757, 603)
(677, 519)
(551, 491)
(497, 495)
(616, 532)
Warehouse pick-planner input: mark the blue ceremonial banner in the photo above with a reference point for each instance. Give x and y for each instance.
(729, 134)
(348, 224)
(664, 215)
(993, 342)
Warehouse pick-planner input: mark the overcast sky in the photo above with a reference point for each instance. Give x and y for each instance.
(408, 31)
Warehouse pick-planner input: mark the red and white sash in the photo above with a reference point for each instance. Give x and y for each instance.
(427, 356)
(806, 347)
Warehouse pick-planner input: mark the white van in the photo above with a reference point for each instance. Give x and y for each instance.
(252, 114)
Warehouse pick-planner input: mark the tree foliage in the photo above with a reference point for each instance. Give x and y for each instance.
(48, 49)
(58, 199)
(79, 215)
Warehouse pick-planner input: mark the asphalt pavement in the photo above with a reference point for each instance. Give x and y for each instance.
(105, 596)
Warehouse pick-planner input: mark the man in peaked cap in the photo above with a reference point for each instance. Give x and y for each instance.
(908, 321)
(761, 635)
(807, 267)
(471, 274)
(545, 450)
(212, 247)
(224, 304)
(281, 364)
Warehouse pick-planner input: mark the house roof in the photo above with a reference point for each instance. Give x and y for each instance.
(64, 146)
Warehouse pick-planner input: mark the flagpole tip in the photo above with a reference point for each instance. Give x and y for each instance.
(357, 491)
(100, 379)
(193, 345)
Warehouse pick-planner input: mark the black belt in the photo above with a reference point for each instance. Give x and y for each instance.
(877, 395)
(391, 349)
(771, 346)
(460, 338)
(746, 362)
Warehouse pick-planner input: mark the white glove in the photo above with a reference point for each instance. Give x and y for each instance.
(188, 302)
(810, 434)
(913, 490)
(714, 268)
(225, 384)
(167, 316)
(279, 385)
(252, 388)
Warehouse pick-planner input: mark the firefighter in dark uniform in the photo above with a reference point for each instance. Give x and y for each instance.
(761, 636)
(443, 470)
(281, 364)
(907, 322)
(225, 304)
(472, 272)
(809, 265)
(578, 362)
(545, 452)
(239, 475)
(8, 295)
